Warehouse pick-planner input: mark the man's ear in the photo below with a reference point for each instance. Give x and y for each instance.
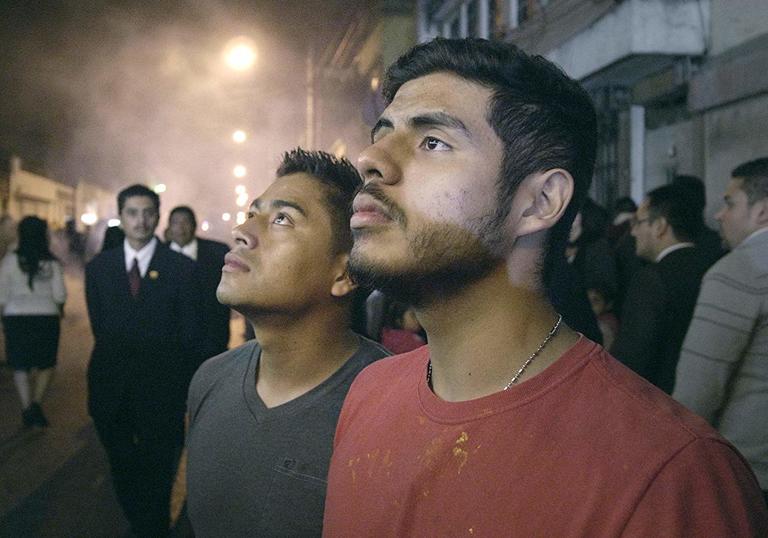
(761, 212)
(660, 226)
(546, 196)
(342, 282)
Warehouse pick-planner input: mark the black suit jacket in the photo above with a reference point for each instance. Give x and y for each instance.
(210, 260)
(145, 348)
(656, 313)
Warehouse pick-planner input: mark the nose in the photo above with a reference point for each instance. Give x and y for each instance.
(244, 237)
(719, 214)
(376, 163)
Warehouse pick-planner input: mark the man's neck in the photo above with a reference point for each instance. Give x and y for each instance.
(138, 245)
(299, 352)
(480, 337)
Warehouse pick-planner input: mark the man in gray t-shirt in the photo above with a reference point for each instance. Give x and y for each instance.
(256, 471)
(262, 416)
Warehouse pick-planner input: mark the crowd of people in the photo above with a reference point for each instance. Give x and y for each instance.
(466, 226)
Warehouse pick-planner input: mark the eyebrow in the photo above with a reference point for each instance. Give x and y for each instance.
(277, 204)
(430, 119)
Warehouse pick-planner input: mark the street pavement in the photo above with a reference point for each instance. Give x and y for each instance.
(55, 482)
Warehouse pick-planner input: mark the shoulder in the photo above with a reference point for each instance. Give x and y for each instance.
(370, 351)
(104, 259)
(744, 267)
(220, 369)
(634, 409)
(166, 255)
(212, 246)
(389, 375)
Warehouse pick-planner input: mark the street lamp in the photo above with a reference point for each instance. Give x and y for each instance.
(240, 53)
(239, 136)
(239, 171)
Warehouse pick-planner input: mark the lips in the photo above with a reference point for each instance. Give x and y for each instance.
(366, 211)
(233, 264)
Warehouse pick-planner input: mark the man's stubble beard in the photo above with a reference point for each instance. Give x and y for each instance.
(443, 259)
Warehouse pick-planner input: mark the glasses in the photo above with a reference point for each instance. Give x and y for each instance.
(637, 222)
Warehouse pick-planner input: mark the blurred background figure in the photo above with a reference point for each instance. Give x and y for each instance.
(32, 296)
(209, 259)
(661, 296)
(588, 250)
(708, 241)
(401, 331)
(7, 234)
(601, 301)
(622, 244)
(113, 237)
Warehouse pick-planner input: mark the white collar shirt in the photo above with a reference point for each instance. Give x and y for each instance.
(670, 249)
(144, 255)
(189, 250)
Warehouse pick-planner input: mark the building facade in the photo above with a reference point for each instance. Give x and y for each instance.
(681, 86)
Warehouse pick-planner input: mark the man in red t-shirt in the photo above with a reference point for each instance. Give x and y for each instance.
(509, 423)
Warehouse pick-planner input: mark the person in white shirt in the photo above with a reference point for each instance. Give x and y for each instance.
(32, 297)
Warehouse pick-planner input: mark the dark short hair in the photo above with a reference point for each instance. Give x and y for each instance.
(187, 211)
(544, 119)
(694, 187)
(754, 176)
(341, 181)
(672, 203)
(137, 190)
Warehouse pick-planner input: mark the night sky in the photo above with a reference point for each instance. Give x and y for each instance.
(118, 92)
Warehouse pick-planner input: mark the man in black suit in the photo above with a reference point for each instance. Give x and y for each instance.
(659, 303)
(142, 302)
(209, 256)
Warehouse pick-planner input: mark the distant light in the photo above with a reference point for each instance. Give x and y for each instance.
(226, 217)
(240, 217)
(89, 219)
(240, 53)
(239, 170)
(160, 188)
(205, 226)
(374, 83)
(239, 136)
(242, 199)
(113, 223)
(240, 189)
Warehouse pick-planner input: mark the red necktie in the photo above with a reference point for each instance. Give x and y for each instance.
(134, 278)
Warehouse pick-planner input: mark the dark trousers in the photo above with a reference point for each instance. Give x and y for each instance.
(143, 466)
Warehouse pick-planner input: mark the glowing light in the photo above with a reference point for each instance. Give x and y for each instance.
(239, 170)
(240, 189)
(113, 222)
(240, 53)
(226, 217)
(89, 218)
(242, 199)
(205, 226)
(240, 217)
(239, 137)
(160, 188)
(374, 83)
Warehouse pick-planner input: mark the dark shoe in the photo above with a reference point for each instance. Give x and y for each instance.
(38, 418)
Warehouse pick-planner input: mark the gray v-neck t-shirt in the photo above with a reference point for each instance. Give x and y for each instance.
(254, 470)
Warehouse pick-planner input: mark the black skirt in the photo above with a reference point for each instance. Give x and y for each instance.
(31, 341)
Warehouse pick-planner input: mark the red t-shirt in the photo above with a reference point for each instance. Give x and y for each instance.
(400, 340)
(585, 448)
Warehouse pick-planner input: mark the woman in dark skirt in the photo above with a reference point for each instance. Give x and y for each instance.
(32, 296)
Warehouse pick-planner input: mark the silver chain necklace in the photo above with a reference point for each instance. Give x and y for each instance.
(525, 364)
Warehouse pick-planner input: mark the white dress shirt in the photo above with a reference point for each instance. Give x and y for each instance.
(189, 250)
(144, 255)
